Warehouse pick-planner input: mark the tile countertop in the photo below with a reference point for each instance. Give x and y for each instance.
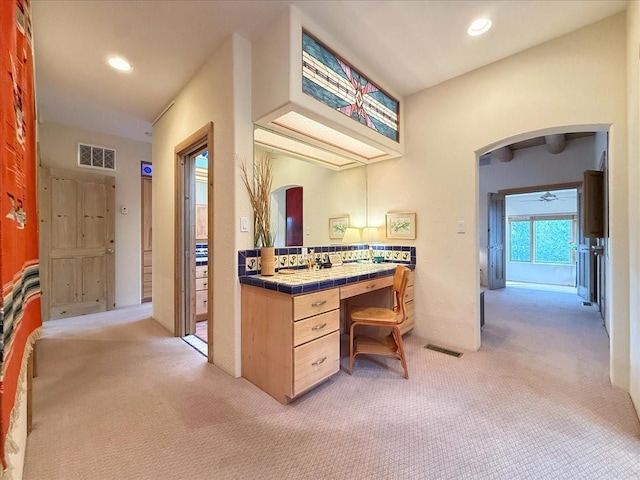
(305, 281)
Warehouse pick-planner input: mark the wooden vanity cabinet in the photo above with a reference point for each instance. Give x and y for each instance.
(202, 279)
(289, 343)
(408, 305)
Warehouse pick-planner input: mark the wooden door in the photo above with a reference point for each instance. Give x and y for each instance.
(583, 253)
(147, 265)
(593, 204)
(294, 216)
(77, 232)
(495, 251)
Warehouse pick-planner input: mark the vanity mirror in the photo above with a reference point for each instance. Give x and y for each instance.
(305, 194)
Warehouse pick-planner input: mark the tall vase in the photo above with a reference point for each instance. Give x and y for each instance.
(267, 261)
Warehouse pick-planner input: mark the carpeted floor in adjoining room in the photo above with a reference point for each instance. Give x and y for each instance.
(118, 398)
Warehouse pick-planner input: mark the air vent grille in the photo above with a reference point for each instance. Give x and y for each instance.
(95, 156)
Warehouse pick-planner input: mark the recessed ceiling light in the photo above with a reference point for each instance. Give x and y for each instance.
(479, 26)
(119, 63)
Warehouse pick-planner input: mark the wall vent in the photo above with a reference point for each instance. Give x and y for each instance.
(95, 156)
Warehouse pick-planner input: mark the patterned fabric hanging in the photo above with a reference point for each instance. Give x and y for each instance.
(20, 320)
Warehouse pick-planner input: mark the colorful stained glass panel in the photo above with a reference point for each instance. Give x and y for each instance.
(329, 79)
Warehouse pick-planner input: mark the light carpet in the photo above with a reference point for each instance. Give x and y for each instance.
(117, 398)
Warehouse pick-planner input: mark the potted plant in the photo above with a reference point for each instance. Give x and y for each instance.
(259, 190)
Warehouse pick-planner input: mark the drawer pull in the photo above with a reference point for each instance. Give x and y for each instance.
(204, 284)
(319, 327)
(318, 362)
(204, 301)
(369, 287)
(317, 304)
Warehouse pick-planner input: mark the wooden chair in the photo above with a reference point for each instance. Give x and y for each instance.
(382, 318)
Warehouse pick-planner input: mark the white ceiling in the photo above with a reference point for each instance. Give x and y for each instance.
(406, 46)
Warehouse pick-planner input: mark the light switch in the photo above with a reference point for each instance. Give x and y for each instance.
(462, 227)
(244, 224)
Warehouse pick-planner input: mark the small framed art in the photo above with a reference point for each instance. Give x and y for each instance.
(337, 226)
(401, 225)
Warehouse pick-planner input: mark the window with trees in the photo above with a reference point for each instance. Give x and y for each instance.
(542, 239)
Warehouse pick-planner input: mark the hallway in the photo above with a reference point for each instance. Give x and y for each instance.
(117, 397)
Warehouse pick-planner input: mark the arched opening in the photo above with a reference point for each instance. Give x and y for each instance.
(287, 215)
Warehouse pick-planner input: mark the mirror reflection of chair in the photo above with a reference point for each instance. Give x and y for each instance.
(383, 318)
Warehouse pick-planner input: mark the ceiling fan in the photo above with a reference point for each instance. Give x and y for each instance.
(545, 197)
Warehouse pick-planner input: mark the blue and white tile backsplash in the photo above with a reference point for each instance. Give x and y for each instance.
(292, 258)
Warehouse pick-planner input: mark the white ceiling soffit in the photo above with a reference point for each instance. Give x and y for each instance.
(408, 45)
(296, 148)
(315, 131)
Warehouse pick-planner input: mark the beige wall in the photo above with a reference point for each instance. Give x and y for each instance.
(633, 111)
(218, 93)
(58, 148)
(573, 83)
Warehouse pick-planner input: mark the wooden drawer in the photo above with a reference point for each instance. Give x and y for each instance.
(408, 293)
(315, 361)
(202, 271)
(314, 327)
(201, 283)
(146, 290)
(147, 277)
(409, 322)
(201, 302)
(366, 286)
(146, 258)
(314, 303)
(410, 278)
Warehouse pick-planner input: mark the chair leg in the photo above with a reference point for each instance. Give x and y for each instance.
(398, 338)
(351, 340)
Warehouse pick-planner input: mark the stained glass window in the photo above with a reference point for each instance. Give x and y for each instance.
(332, 81)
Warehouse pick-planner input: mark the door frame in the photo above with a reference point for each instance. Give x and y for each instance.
(602, 243)
(201, 138)
(144, 208)
(536, 188)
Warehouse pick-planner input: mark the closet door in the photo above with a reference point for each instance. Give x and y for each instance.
(77, 231)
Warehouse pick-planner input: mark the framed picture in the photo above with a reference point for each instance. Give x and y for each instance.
(337, 226)
(401, 225)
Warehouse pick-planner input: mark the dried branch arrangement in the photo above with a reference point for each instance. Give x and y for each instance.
(259, 190)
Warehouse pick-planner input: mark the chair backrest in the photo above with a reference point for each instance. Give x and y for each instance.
(400, 279)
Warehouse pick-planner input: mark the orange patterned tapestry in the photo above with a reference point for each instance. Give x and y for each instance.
(20, 319)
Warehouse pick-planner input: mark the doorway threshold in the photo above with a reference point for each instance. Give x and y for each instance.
(542, 286)
(197, 344)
